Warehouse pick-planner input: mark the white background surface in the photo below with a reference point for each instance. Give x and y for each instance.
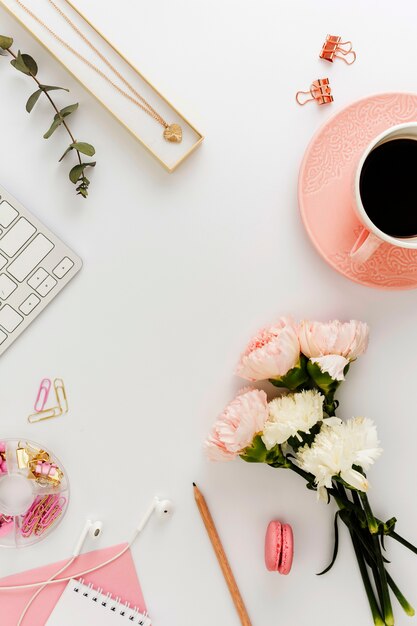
(179, 271)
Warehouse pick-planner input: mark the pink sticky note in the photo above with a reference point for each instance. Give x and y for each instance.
(119, 578)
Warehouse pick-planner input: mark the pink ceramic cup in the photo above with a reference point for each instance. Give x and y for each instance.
(371, 237)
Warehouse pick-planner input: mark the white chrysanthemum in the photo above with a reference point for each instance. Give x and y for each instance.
(290, 414)
(337, 448)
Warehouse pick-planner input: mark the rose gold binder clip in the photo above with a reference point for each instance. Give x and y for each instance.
(335, 48)
(320, 91)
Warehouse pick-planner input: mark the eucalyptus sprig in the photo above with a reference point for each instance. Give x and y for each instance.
(27, 65)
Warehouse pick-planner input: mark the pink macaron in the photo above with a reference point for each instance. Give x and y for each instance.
(279, 547)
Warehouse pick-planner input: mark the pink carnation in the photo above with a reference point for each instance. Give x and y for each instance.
(333, 345)
(271, 353)
(236, 427)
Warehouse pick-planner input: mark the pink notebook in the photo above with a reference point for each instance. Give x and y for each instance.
(119, 578)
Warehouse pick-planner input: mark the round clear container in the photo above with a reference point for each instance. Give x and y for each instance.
(34, 493)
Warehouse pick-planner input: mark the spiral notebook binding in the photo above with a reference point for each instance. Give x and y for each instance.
(115, 605)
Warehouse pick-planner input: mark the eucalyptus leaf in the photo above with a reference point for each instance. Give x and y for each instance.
(5, 42)
(33, 100)
(85, 148)
(35, 96)
(68, 110)
(78, 170)
(55, 124)
(30, 64)
(19, 64)
(52, 88)
(65, 153)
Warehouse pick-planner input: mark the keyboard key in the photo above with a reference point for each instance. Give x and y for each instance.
(9, 318)
(29, 304)
(31, 256)
(45, 287)
(63, 267)
(3, 337)
(7, 286)
(7, 214)
(37, 278)
(3, 261)
(17, 236)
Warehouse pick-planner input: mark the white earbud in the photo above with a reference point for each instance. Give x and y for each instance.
(163, 508)
(92, 529)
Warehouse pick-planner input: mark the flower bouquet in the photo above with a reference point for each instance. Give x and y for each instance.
(299, 431)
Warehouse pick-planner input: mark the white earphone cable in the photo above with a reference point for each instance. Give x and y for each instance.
(36, 594)
(55, 581)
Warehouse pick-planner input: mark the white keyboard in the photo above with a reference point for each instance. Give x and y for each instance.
(34, 266)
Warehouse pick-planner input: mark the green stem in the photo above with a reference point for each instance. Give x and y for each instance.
(290, 465)
(378, 621)
(403, 541)
(64, 123)
(372, 523)
(401, 599)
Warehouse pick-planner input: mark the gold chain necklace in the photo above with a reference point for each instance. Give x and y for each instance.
(172, 132)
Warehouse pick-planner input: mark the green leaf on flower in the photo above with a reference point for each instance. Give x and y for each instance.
(336, 545)
(294, 378)
(5, 42)
(78, 170)
(85, 148)
(35, 96)
(256, 452)
(323, 380)
(305, 438)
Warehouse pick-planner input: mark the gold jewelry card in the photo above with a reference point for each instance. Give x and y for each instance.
(55, 31)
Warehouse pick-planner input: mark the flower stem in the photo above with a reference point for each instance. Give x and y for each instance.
(290, 465)
(378, 621)
(403, 541)
(403, 601)
(372, 525)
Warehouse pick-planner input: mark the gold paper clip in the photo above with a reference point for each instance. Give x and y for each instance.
(46, 414)
(56, 411)
(320, 91)
(61, 395)
(335, 48)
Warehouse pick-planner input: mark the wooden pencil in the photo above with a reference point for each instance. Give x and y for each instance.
(221, 556)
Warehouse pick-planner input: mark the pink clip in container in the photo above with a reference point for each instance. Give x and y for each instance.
(34, 492)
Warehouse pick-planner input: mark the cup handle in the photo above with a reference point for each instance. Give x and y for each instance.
(364, 247)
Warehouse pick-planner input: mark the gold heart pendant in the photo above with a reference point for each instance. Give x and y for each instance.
(173, 133)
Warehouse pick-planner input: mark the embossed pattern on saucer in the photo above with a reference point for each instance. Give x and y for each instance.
(325, 190)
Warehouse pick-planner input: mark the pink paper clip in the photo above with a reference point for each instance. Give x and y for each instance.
(43, 393)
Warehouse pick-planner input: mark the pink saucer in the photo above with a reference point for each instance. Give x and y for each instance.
(325, 190)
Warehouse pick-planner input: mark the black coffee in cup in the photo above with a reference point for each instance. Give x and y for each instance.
(388, 187)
